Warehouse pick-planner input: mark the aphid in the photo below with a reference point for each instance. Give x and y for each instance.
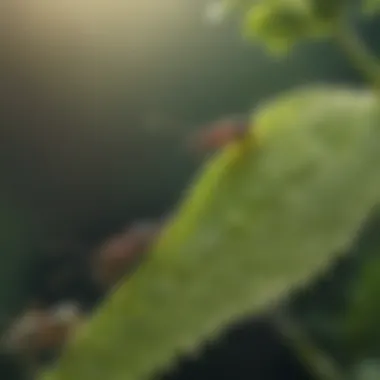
(221, 133)
(38, 331)
(123, 252)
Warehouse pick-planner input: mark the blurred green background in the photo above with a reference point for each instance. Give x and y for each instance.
(93, 135)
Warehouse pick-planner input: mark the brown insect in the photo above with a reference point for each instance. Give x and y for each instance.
(220, 133)
(40, 330)
(122, 253)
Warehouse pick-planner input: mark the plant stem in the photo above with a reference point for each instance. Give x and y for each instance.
(322, 366)
(357, 52)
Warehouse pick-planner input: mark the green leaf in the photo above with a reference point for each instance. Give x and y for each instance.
(281, 24)
(263, 216)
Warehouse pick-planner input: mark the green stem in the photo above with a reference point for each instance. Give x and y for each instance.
(322, 366)
(357, 52)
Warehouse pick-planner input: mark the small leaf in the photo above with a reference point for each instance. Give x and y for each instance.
(263, 217)
(281, 24)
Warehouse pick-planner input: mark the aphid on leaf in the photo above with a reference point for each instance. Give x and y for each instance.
(220, 133)
(40, 330)
(123, 252)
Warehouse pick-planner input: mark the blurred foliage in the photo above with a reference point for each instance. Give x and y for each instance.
(310, 163)
(338, 309)
(281, 24)
(371, 6)
(90, 203)
(93, 176)
(308, 175)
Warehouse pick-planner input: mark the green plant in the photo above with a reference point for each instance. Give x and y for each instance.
(262, 218)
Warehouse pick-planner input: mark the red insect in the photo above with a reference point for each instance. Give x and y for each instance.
(221, 133)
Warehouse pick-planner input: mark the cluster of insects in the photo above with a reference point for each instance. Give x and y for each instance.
(41, 330)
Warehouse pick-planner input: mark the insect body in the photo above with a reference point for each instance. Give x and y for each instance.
(39, 331)
(221, 133)
(122, 252)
